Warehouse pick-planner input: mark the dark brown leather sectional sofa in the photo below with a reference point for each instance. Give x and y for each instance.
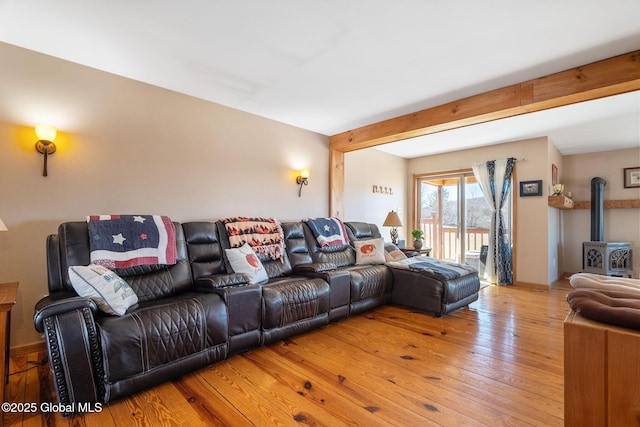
(197, 311)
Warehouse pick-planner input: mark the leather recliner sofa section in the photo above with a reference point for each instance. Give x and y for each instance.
(199, 311)
(95, 357)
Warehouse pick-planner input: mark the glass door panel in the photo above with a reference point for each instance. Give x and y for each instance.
(456, 219)
(439, 217)
(477, 224)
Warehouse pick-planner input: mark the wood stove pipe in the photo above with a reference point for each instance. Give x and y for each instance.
(597, 209)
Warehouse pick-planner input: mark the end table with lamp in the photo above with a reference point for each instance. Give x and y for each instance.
(411, 252)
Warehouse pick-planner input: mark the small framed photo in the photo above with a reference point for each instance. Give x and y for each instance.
(632, 177)
(531, 188)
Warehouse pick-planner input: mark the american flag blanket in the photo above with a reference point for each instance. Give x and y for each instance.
(328, 231)
(264, 235)
(433, 267)
(120, 241)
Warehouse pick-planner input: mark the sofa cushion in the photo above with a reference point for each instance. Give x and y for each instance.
(243, 260)
(108, 290)
(370, 251)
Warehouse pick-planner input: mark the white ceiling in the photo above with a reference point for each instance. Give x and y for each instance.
(334, 65)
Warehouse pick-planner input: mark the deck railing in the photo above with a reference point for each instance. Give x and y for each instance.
(444, 243)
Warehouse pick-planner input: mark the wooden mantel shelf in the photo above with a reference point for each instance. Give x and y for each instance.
(610, 204)
(562, 202)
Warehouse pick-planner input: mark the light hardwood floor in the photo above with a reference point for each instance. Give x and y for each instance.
(500, 362)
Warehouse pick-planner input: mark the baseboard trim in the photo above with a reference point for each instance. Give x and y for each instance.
(26, 349)
(531, 285)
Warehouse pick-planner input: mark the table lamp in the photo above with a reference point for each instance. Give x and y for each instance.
(393, 221)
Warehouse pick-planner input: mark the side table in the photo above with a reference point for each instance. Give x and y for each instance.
(8, 294)
(423, 251)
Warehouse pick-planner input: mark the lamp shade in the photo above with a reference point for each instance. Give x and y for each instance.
(46, 133)
(392, 220)
(2, 226)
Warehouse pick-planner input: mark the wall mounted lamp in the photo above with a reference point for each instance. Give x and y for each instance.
(2, 226)
(46, 135)
(302, 179)
(393, 220)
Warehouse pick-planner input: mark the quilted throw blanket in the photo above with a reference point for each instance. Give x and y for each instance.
(264, 235)
(328, 231)
(436, 268)
(120, 241)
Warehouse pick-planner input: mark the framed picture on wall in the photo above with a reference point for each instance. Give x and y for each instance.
(632, 177)
(531, 188)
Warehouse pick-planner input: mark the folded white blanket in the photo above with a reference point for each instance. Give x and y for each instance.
(605, 283)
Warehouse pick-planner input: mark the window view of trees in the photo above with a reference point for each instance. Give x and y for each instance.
(478, 213)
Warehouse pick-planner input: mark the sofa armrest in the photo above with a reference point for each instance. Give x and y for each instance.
(57, 304)
(319, 267)
(215, 281)
(72, 338)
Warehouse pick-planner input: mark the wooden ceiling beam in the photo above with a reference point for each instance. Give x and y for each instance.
(608, 77)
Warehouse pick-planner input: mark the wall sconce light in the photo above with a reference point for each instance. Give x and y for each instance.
(393, 220)
(46, 135)
(302, 179)
(2, 226)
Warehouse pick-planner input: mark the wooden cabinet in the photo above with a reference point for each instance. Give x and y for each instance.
(601, 374)
(8, 294)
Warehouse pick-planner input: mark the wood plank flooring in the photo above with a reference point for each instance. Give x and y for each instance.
(498, 363)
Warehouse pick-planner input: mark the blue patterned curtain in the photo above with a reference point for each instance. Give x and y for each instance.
(494, 178)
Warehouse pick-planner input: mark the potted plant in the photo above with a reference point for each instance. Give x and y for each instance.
(418, 236)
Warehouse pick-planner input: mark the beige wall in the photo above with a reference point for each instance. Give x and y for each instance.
(531, 212)
(128, 147)
(363, 170)
(620, 225)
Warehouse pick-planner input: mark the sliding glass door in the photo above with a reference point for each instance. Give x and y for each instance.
(454, 217)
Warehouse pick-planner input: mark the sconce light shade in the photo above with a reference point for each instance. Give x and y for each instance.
(46, 135)
(302, 179)
(2, 226)
(393, 220)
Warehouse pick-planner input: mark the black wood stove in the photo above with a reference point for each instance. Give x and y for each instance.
(598, 256)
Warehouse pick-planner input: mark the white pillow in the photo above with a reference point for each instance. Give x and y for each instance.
(369, 251)
(108, 290)
(244, 260)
